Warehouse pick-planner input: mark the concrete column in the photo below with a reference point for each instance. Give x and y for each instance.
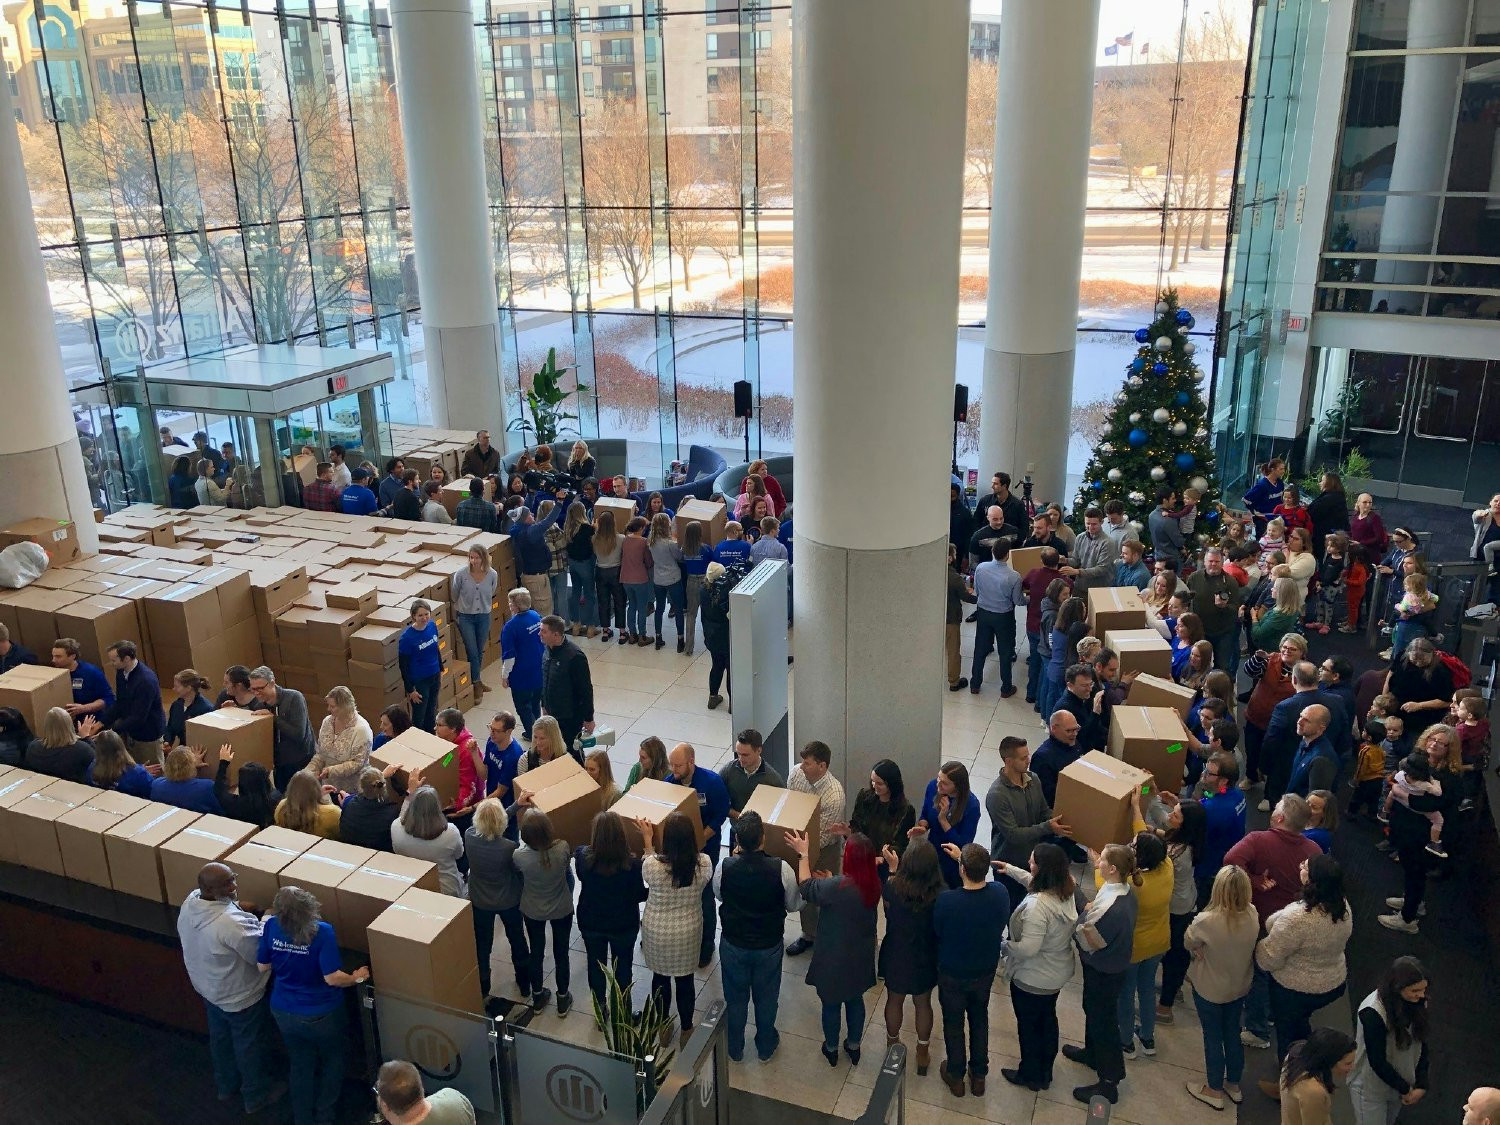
(1046, 104)
(40, 460)
(437, 86)
(1429, 96)
(878, 189)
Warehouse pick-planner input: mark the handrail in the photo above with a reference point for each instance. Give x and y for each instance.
(888, 1098)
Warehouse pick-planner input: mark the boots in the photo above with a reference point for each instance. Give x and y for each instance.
(923, 1057)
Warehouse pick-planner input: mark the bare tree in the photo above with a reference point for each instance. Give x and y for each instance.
(617, 167)
(979, 143)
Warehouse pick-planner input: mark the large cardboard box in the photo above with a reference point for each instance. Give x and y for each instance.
(35, 610)
(384, 678)
(1093, 799)
(784, 811)
(33, 823)
(34, 689)
(710, 515)
(208, 839)
(416, 749)
(183, 615)
(258, 862)
(1140, 650)
(15, 787)
(359, 596)
(320, 870)
(422, 946)
(97, 622)
(134, 861)
(1152, 739)
(376, 644)
(1024, 560)
(273, 590)
(1115, 607)
(80, 834)
(564, 791)
(1154, 691)
(59, 538)
(329, 630)
(654, 801)
(232, 585)
(365, 893)
(624, 510)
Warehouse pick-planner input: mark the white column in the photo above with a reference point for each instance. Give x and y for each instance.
(40, 461)
(1046, 104)
(878, 188)
(437, 86)
(1429, 95)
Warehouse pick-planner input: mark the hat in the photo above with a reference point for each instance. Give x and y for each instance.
(1405, 533)
(360, 474)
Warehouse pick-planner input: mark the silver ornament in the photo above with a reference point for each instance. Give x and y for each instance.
(1161, 308)
(1179, 428)
(1120, 398)
(1136, 381)
(1136, 417)
(1200, 433)
(1114, 474)
(1189, 347)
(1199, 483)
(1160, 415)
(1158, 473)
(1164, 344)
(1183, 331)
(1137, 498)
(1106, 448)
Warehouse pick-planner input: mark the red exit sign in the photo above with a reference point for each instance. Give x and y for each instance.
(338, 384)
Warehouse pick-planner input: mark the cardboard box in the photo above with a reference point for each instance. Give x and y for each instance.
(258, 862)
(653, 801)
(241, 644)
(784, 811)
(423, 947)
(353, 595)
(1093, 799)
(364, 894)
(329, 630)
(710, 515)
(34, 689)
(98, 621)
(376, 644)
(208, 839)
(624, 510)
(1154, 691)
(80, 834)
(1152, 739)
(384, 678)
(33, 823)
(59, 538)
(270, 595)
(1026, 559)
(320, 870)
(15, 787)
(1140, 650)
(183, 615)
(416, 749)
(134, 862)
(564, 791)
(233, 587)
(1115, 608)
(35, 612)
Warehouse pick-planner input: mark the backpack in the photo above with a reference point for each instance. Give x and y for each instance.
(1462, 677)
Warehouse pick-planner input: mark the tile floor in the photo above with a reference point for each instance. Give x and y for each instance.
(640, 691)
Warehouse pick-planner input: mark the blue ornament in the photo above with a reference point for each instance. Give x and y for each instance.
(1212, 515)
(1096, 485)
(1181, 398)
(1184, 317)
(1137, 438)
(1184, 461)
(1140, 365)
(1142, 335)
(1159, 368)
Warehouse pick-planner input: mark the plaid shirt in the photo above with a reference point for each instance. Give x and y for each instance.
(475, 511)
(559, 548)
(321, 496)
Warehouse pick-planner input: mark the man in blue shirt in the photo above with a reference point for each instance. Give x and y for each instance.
(521, 655)
(997, 588)
(713, 810)
(136, 714)
(91, 693)
(357, 499)
(502, 760)
(1279, 745)
(534, 556)
(1223, 803)
(969, 924)
(391, 483)
(1314, 765)
(1057, 753)
(732, 548)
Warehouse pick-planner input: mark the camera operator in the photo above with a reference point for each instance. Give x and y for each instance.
(533, 555)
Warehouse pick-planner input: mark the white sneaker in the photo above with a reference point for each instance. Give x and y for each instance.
(1250, 1039)
(1396, 902)
(1397, 923)
(1264, 806)
(1129, 1049)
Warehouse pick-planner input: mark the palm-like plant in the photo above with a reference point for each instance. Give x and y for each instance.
(645, 1037)
(546, 399)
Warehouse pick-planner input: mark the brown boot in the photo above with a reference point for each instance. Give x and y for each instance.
(955, 1085)
(924, 1059)
(976, 1085)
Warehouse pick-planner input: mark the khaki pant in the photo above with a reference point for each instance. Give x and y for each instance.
(540, 590)
(145, 753)
(953, 647)
(830, 858)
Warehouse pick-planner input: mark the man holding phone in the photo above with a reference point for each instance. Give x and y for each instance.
(1216, 599)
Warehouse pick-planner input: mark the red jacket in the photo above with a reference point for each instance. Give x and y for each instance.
(1274, 854)
(773, 490)
(1034, 585)
(1293, 517)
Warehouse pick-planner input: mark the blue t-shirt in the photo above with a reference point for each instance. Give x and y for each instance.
(969, 925)
(90, 683)
(297, 971)
(420, 658)
(713, 804)
(500, 767)
(134, 782)
(521, 641)
(698, 565)
(357, 500)
(195, 794)
(731, 551)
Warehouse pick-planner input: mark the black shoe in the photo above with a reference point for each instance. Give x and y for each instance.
(799, 947)
(539, 999)
(1015, 1079)
(1007, 692)
(564, 1003)
(706, 959)
(681, 644)
(1078, 1055)
(973, 617)
(277, 1091)
(659, 642)
(495, 1007)
(963, 682)
(852, 1050)
(1107, 1090)
(830, 1053)
(973, 688)
(714, 701)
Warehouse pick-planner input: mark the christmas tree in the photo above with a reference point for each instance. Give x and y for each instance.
(1156, 435)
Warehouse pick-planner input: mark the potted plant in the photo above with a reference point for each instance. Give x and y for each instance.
(644, 1036)
(547, 399)
(1342, 416)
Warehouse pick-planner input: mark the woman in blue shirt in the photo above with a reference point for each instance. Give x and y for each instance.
(1265, 493)
(393, 720)
(189, 687)
(180, 784)
(300, 952)
(421, 665)
(1187, 632)
(950, 815)
(114, 768)
(695, 559)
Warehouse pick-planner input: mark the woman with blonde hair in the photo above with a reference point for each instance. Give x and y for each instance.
(343, 742)
(189, 687)
(666, 574)
(59, 751)
(581, 463)
(1105, 937)
(1286, 612)
(306, 808)
(578, 535)
(1159, 591)
(495, 892)
(474, 589)
(180, 784)
(114, 768)
(599, 768)
(1221, 941)
(546, 744)
(609, 595)
(369, 810)
(1300, 559)
(423, 832)
(651, 762)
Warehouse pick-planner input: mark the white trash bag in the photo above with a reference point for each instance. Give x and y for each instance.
(21, 564)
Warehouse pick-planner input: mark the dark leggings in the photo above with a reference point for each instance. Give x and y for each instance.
(1174, 965)
(536, 939)
(610, 596)
(1254, 737)
(661, 995)
(718, 670)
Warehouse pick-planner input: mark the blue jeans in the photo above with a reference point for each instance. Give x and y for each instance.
(528, 707)
(1258, 1005)
(637, 605)
(559, 584)
(474, 628)
(316, 1047)
(853, 1012)
(673, 594)
(581, 608)
(747, 974)
(424, 714)
(239, 1044)
(1226, 649)
(1035, 666)
(1047, 697)
(1140, 983)
(1223, 1053)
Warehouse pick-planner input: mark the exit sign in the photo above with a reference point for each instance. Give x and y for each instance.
(338, 384)
(1296, 322)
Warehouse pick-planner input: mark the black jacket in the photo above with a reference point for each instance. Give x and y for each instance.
(238, 807)
(407, 505)
(1013, 507)
(567, 687)
(366, 823)
(17, 656)
(1329, 512)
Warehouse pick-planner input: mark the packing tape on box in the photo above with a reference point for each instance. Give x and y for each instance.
(342, 864)
(670, 806)
(403, 908)
(779, 805)
(154, 821)
(207, 835)
(22, 780)
(1097, 769)
(385, 874)
(55, 800)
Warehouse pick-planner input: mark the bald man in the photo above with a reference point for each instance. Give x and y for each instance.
(1315, 765)
(1060, 750)
(713, 809)
(219, 944)
(1483, 1107)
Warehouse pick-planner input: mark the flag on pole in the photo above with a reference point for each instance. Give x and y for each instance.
(1111, 50)
(1145, 49)
(1125, 40)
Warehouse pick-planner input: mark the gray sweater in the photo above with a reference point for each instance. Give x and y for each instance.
(494, 882)
(546, 887)
(1019, 817)
(295, 741)
(470, 596)
(666, 563)
(219, 947)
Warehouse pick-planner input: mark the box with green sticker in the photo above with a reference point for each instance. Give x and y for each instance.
(417, 750)
(1152, 738)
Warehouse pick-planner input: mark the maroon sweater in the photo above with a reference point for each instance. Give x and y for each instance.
(1277, 854)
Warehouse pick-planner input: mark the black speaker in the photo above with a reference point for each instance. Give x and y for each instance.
(961, 403)
(742, 405)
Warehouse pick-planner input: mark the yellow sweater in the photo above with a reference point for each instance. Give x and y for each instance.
(328, 820)
(1153, 930)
